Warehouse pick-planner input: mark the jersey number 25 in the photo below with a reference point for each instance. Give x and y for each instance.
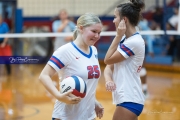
(93, 72)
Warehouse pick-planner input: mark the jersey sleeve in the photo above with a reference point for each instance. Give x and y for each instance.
(128, 48)
(55, 26)
(60, 58)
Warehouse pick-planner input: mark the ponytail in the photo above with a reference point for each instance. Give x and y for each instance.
(75, 34)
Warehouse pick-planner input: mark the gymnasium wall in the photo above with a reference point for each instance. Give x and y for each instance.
(75, 7)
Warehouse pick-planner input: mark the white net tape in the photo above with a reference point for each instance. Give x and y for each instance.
(109, 33)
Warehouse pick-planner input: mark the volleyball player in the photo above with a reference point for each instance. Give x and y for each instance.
(124, 60)
(76, 58)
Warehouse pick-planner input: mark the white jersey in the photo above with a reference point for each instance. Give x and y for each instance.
(70, 60)
(126, 73)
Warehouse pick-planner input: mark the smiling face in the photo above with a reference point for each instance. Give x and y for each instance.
(91, 34)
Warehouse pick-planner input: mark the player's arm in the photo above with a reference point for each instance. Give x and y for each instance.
(62, 26)
(4, 42)
(108, 72)
(112, 55)
(45, 79)
(99, 109)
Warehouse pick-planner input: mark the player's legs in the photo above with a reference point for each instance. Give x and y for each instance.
(122, 113)
(127, 111)
(8, 67)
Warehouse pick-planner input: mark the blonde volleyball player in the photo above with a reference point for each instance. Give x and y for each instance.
(76, 58)
(124, 60)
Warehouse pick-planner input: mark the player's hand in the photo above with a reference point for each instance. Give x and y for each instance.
(121, 29)
(99, 110)
(110, 86)
(68, 98)
(65, 22)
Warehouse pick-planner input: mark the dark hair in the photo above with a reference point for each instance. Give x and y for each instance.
(131, 10)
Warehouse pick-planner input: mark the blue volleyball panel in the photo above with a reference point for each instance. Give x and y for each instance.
(77, 83)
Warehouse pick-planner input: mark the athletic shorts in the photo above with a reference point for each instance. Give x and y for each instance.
(133, 107)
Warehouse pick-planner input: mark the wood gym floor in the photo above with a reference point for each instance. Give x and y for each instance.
(22, 96)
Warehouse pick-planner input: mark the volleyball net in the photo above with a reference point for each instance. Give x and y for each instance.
(40, 42)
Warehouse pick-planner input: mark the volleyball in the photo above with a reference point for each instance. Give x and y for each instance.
(75, 83)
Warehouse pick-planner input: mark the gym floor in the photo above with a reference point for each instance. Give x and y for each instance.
(22, 96)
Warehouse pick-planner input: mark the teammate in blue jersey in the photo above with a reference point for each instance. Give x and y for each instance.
(64, 24)
(124, 60)
(76, 58)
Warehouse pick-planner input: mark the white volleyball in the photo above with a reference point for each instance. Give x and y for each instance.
(75, 83)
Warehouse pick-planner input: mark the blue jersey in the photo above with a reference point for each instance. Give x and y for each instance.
(3, 29)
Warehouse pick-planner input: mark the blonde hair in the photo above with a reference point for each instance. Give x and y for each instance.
(86, 20)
